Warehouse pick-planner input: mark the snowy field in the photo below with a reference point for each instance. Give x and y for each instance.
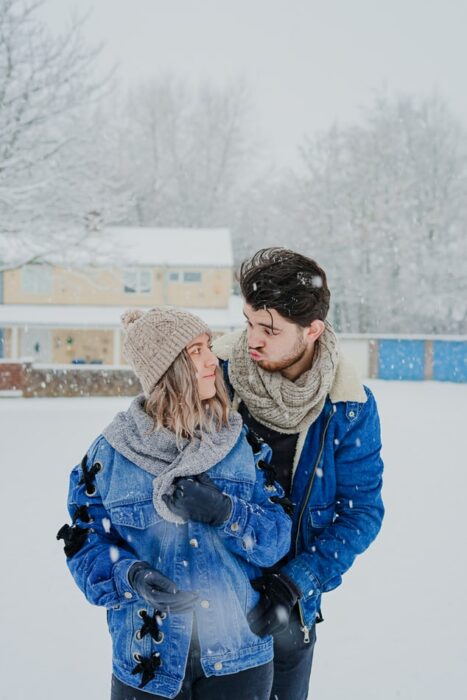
(396, 628)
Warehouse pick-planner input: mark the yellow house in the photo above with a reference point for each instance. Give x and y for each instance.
(67, 309)
(141, 266)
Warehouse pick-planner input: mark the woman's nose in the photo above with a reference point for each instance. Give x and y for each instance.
(211, 360)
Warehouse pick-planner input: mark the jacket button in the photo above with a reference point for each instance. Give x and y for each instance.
(194, 542)
(128, 595)
(351, 414)
(218, 665)
(234, 527)
(205, 604)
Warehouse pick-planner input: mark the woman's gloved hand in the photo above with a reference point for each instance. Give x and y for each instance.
(279, 595)
(159, 591)
(198, 498)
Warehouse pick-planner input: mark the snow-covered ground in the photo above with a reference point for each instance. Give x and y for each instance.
(396, 628)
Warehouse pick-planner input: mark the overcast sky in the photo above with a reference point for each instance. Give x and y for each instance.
(308, 63)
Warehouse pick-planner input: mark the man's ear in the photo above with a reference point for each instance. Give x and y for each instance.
(314, 330)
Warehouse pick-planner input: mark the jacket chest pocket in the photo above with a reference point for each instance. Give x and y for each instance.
(318, 518)
(137, 515)
(143, 529)
(232, 484)
(235, 488)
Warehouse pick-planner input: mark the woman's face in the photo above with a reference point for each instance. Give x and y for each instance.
(205, 365)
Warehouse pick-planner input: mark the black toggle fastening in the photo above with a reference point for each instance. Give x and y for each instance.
(82, 513)
(285, 502)
(74, 538)
(269, 472)
(89, 475)
(150, 626)
(147, 667)
(254, 440)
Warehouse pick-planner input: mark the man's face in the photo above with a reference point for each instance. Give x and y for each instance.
(274, 342)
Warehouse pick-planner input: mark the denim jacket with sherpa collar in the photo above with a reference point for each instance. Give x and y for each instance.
(336, 487)
(115, 524)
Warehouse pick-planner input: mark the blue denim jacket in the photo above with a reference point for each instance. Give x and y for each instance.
(336, 490)
(217, 562)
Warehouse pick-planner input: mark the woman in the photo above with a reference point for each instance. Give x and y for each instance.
(172, 519)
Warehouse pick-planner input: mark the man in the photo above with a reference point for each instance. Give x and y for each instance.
(295, 391)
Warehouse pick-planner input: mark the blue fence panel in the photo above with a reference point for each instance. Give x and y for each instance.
(450, 361)
(401, 359)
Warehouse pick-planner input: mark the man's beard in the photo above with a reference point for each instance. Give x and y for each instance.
(296, 354)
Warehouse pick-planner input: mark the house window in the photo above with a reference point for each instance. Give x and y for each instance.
(192, 276)
(137, 281)
(36, 279)
(174, 277)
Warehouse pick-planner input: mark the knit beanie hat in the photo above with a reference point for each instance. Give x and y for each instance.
(154, 338)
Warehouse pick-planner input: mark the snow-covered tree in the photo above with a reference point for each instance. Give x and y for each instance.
(185, 152)
(49, 175)
(383, 205)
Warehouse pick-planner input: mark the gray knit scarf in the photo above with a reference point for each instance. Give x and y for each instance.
(156, 451)
(277, 402)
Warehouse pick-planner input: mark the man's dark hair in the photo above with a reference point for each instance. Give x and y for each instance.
(292, 284)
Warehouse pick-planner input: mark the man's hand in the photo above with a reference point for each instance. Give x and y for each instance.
(159, 591)
(279, 595)
(197, 498)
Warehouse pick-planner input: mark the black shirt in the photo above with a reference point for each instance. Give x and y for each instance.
(283, 447)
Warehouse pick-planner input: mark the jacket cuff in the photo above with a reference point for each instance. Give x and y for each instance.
(237, 520)
(290, 583)
(125, 592)
(305, 581)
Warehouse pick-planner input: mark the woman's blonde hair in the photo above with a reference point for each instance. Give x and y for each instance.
(175, 402)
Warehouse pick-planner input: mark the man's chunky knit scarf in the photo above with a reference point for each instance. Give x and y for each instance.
(277, 402)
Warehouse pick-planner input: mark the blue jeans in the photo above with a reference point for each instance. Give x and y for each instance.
(292, 662)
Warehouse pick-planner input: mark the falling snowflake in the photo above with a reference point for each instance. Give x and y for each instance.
(248, 542)
(317, 281)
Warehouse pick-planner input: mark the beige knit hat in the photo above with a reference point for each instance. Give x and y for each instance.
(154, 338)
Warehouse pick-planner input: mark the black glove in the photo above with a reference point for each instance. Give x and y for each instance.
(279, 594)
(159, 591)
(197, 498)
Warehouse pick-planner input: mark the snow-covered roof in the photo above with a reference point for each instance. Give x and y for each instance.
(121, 245)
(117, 246)
(103, 317)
